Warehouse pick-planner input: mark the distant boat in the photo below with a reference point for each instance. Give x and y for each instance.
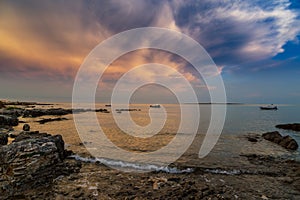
(155, 106)
(108, 105)
(269, 107)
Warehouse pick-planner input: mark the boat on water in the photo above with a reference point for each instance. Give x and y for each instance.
(155, 106)
(269, 107)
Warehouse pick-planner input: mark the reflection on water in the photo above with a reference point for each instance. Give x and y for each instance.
(240, 120)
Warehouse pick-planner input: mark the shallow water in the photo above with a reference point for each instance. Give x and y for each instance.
(240, 120)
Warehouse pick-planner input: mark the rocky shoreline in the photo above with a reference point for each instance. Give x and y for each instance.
(36, 165)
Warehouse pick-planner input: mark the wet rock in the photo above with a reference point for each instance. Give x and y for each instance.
(33, 160)
(273, 136)
(42, 112)
(13, 134)
(8, 120)
(287, 141)
(3, 138)
(253, 137)
(294, 127)
(26, 127)
(2, 105)
(43, 121)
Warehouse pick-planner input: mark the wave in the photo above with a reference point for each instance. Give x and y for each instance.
(225, 172)
(133, 166)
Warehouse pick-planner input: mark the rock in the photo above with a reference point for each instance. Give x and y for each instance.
(43, 121)
(273, 136)
(32, 160)
(2, 105)
(3, 138)
(8, 120)
(26, 127)
(287, 141)
(253, 137)
(13, 134)
(42, 112)
(294, 127)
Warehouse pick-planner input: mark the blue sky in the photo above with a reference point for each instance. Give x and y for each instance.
(255, 43)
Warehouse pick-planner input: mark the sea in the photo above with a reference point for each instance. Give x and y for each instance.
(156, 142)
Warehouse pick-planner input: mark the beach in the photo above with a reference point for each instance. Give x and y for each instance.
(240, 166)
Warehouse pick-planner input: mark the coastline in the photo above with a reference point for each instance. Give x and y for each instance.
(258, 170)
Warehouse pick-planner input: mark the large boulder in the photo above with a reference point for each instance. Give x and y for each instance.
(273, 136)
(33, 160)
(287, 141)
(8, 120)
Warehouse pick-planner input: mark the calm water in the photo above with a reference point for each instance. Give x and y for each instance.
(240, 120)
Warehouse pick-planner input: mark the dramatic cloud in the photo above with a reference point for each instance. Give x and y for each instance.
(238, 31)
(48, 40)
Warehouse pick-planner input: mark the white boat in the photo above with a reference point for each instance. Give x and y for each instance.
(269, 107)
(155, 106)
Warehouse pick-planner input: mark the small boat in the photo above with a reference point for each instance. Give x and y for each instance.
(155, 106)
(269, 107)
(108, 105)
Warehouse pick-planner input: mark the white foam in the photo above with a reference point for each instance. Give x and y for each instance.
(134, 166)
(225, 172)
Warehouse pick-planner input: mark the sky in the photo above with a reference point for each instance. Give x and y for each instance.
(254, 43)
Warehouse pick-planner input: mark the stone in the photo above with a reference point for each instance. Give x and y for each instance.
(253, 137)
(286, 142)
(289, 143)
(3, 138)
(272, 136)
(8, 120)
(43, 121)
(26, 127)
(33, 160)
(294, 127)
(2, 105)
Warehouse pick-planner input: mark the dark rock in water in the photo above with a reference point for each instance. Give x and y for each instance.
(294, 127)
(3, 138)
(8, 121)
(43, 121)
(26, 127)
(42, 112)
(287, 141)
(33, 160)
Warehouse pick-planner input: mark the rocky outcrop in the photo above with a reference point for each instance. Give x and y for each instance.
(287, 141)
(293, 127)
(42, 112)
(57, 112)
(32, 160)
(43, 121)
(8, 120)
